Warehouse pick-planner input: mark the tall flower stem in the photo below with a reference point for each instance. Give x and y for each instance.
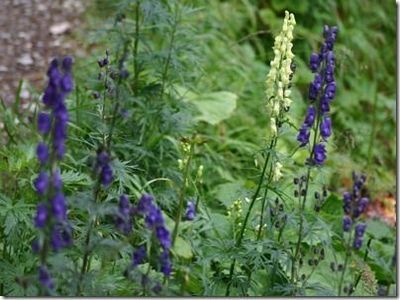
(346, 260)
(85, 260)
(253, 200)
(182, 192)
(135, 51)
(264, 200)
(303, 203)
(97, 187)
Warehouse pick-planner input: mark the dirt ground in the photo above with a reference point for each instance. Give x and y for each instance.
(32, 32)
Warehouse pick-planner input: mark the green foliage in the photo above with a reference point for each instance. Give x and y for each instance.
(196, 77)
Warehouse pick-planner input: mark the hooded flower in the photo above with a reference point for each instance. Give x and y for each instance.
(322, 90)
(278, 79)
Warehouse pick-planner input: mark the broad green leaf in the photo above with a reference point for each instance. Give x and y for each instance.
(182, 248)
(214, 107)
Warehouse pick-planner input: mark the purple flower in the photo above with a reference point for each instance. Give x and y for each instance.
(330, 90)
(145, 202)
(106, 176)
(139, 256)
(310, 116)
(44, 278)
(315, 87)
(56, 239)
(42, 153)
(67, 83)
(303, 136)
(67, 63)
(325, 128)
(41, 215)
(154, 217)
(166, 266)
(190, 211)
(360, 229)
(314, 62)
(357, 243)
(347, 202)
(41, 183)
(44, 123)
(61, 236)
(362, 204)
(163, 237)
(319, 154)
(324, 105)
(59, 207)
(347, 223)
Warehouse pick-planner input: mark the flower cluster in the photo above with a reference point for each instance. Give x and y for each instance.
(154, 221)
(52, 210)
(278, 79)
(321, 92)
(353, 206)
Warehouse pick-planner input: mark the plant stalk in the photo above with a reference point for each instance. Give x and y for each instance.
(253, 200)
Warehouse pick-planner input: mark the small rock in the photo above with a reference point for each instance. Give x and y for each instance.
(25, 60)
(3, 69)
(60, 28)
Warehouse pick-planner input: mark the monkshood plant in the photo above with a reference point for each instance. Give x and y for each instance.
(354, 204)
(51, 214)
(278, 103)
(317, 121)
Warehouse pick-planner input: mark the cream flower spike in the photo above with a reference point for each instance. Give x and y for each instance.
(279, 76)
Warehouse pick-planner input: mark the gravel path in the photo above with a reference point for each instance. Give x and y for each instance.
(31, 33)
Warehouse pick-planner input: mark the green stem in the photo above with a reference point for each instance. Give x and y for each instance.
(253, 200)
(183, 192)
(348, 254)
(85, 261)
(170, 47)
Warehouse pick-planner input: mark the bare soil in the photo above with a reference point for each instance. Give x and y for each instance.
(32, 32)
